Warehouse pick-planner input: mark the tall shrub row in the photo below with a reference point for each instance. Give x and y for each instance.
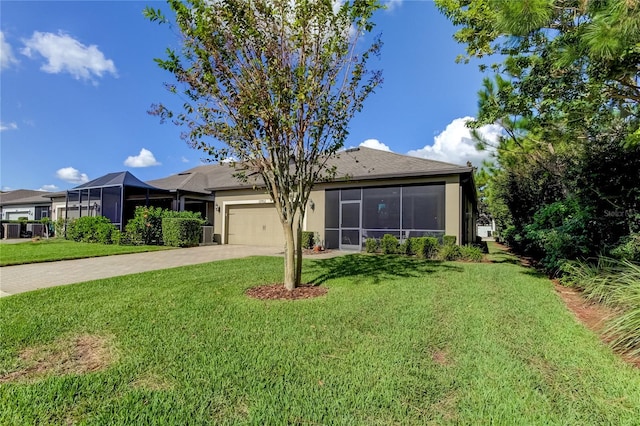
(145, 228)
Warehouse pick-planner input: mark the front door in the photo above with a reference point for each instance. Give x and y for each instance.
(350, 225)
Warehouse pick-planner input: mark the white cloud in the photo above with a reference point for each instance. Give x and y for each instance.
(375, 144)
(144, 159)
(455, 144)
(48, 188)
(8, 126)
(184, 159)
(392, 4)
(7, 189)
(7, 57)
(66, 54)
(71, 175)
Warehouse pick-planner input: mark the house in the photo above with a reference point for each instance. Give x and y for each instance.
(19, 203)
(373, 193)
(114, 195)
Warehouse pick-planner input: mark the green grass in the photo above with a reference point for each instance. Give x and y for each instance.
(58, 249)
(395, 341)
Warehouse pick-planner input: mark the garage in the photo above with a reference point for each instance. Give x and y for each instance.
(254, 224)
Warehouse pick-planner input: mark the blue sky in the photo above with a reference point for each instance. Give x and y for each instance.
(78, 77)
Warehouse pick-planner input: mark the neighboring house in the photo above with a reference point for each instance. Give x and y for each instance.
(114, 195)
(24, 203)
(373, 193)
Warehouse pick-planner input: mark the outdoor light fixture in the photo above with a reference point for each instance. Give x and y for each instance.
(217, 207)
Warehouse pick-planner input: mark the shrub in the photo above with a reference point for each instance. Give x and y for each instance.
(146, 225)
(449, 252)
(389, 244)
(425, 247)
(449, 240)
(406, 247)
(308, 239)
(181, 232)
(90, 229)
(471, 253)
(628, 248)
(371, 245)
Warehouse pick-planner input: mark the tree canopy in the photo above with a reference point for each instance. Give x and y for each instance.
(566, 91)
(271, 84)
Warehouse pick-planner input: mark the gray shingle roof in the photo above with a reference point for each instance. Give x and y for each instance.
(24, 196)
(116, 179)
(355, 164)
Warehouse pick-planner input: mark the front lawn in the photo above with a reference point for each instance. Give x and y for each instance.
(395, 341)
(59, 249)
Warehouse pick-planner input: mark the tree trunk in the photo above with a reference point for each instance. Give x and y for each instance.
(298, 254)
(290, 281)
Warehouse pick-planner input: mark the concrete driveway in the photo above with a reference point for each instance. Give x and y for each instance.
(22, 278)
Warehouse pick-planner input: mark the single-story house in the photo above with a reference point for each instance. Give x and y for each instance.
(114, 195)
(373, 193)
(24, 203)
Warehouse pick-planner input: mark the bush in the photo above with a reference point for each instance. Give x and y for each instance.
(371, 245)
(425, 247)
(181, 232)
(449, 252)
(448, 240)
(146, 226)
(406, 247)
(308, 239)
(628, 248)
(471, 253)
(389, 244)
(91, 229)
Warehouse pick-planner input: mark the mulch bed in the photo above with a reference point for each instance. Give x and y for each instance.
(279, 292)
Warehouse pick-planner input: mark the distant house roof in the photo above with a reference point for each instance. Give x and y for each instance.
(24, 196)
(116, 179)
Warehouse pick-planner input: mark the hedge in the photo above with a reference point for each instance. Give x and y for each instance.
(181, 232)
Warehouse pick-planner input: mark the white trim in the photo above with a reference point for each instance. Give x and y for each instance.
(225, 212)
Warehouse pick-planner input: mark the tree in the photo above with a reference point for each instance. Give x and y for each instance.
(272, 84)
(566, 93)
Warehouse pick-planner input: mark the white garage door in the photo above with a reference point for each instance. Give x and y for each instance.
(254, 225)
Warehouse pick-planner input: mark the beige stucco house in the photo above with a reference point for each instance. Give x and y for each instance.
(374, 193)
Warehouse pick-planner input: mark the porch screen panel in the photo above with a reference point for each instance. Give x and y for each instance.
(423, 207)
(332, 209)
(381, 208)
(111, 200)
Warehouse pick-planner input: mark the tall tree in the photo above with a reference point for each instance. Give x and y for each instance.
(272, 84)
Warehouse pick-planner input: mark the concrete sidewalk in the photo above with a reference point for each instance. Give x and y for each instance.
(22, 278)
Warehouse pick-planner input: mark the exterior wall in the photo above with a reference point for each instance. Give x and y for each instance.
(315, 217)
(224, 199)
(15, 211)
(453, 207)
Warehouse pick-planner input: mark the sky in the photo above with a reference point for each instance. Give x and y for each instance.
(78, 77)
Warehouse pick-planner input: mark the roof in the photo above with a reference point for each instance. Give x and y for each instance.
(116, 179)
(24, 196)
(364, 163)
(353, 164)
